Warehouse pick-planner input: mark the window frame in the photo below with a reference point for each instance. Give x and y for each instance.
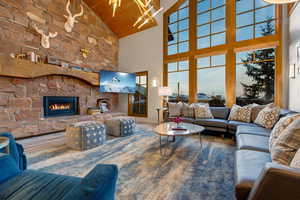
(230, 48)
(130, 105)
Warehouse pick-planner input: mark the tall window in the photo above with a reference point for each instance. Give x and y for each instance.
(211, 80)
(178, 80)
(255, 75)
(253, 17)
(216, 33)
(211, 29)
(178, 30)
(138, 102)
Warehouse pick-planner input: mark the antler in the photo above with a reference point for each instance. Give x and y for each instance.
(52, 35)
(79, 14)
(68, 8)
(40, 31)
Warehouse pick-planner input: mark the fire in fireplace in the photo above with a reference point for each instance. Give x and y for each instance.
(55, 106)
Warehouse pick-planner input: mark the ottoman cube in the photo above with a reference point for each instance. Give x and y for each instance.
(85, 135)
(120, 126)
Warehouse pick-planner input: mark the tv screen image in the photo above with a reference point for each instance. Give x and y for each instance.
(117, 82)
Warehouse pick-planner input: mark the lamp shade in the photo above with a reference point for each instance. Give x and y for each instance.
(164, 91)
(280, 1)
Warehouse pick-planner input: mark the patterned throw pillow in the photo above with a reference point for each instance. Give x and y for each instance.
(256, 108)
(242, 114)
(268, 117)
(287, 144)
(175, 109)
(296, 160)
(202, 111)
(188, 110)
(282, 124)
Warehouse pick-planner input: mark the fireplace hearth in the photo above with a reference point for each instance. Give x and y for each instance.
(56, 106)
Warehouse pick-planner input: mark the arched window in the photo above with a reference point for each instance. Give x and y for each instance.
(212, 47)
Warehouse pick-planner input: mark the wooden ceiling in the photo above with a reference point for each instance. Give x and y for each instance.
(125, 16)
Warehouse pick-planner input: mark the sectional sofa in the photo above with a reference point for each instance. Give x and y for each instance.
(256, 176)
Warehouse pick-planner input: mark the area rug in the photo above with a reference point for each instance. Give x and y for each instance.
(185, 172)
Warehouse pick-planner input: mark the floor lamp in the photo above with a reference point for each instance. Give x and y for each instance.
(164, 92)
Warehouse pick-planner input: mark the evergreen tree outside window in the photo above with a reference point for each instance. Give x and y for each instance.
(256, 74)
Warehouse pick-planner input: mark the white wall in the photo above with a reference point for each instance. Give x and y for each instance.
(143, 51)
(294, 38)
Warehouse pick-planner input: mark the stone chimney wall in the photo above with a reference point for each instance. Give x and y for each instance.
(21, 99)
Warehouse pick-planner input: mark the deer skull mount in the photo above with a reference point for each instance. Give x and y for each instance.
(71, 19)
(45, 42)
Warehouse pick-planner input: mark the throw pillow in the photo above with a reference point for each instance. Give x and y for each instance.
(268, 117)
(256, 108)
(296, 160)
(279, 127)
(188, 110)
(202, 111)
(287, 144)
(242, 114)
(175, 109)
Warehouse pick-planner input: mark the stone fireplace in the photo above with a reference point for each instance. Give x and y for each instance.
(23, 85)
(22, 104)
(56, 106)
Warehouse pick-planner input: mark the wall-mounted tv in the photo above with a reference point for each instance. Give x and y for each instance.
(117, 82)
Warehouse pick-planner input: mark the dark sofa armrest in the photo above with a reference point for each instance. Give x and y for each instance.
(22, 157)
(277, 182)
(100, 183)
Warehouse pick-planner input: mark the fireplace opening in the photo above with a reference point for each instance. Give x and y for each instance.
(55, 106)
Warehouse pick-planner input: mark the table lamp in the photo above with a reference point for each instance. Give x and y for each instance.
(164, 92)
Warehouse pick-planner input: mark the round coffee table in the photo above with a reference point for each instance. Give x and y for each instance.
(167, 129)
(4, 143)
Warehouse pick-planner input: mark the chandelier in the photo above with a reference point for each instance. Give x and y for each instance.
(145, 9)
(280, 1)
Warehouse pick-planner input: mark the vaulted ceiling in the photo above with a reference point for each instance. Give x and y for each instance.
(125, 16)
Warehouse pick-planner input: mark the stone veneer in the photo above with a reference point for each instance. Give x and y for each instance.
(21, 99)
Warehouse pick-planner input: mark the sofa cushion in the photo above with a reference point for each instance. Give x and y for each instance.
(232, 125)
(36, 185)
(202, 111)
(188, 110)
(175, 109)
(220, 112)
(253, 130)
(242, 114)
(268, 117)
(249, 165)
(296, 160)
(286, 112)
(280, 126)
(255, 110)
(253, 142)
(287, 144)
(220, 123)
(100, 183)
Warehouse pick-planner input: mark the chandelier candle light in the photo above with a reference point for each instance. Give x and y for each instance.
(145, 8)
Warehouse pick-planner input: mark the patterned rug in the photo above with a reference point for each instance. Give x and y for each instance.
(185, 173)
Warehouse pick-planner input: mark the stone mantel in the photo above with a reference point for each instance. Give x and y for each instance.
(19, 68)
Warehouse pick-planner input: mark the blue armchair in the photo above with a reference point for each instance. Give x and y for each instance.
(16, 151)
(16, 183)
